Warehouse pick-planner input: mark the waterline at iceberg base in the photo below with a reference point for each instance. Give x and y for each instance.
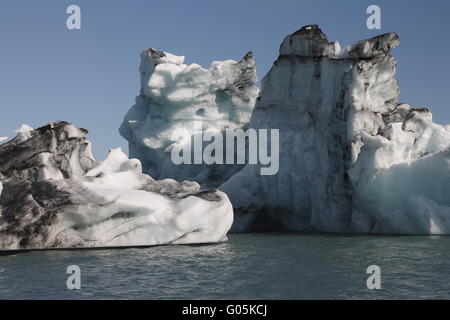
(352, 157)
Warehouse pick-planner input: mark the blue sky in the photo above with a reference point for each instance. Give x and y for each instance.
(90, 76)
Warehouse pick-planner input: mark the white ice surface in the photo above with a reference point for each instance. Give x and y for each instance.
(352, 159)
(150, 218)
(116, 205)
(23, 132)
(174, 96)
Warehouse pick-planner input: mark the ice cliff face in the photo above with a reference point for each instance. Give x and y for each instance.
(54, 195)
(174, 96)
(352, 158)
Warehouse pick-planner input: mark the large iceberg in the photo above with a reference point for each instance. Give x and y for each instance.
(175, 97)
(352, 158)
(54, 195)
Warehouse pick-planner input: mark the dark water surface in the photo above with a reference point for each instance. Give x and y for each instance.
(248, 266)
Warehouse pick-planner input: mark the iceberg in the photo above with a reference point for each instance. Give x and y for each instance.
(352, 158)
(53, 194)
(173, 98)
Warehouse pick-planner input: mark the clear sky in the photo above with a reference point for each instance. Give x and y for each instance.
(90, 76)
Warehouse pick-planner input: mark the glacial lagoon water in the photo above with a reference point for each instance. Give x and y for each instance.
(248, 266)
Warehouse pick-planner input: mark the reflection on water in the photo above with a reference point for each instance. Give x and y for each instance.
(248, 266)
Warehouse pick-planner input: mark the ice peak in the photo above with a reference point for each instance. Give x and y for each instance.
(311, 32)
(248, 56)
(155, 54)
(152, 57)
(379, 45)
(308, 41)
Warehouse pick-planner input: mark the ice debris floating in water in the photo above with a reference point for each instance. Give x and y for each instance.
(54, 195)
(352, 158)
(173, 97)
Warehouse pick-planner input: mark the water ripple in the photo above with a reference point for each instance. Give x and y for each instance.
(249, 266)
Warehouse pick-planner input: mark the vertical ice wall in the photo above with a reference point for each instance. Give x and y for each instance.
(352, 158)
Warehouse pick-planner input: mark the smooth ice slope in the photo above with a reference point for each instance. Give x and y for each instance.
(89, 204)
(352, 158)
(173, 97)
